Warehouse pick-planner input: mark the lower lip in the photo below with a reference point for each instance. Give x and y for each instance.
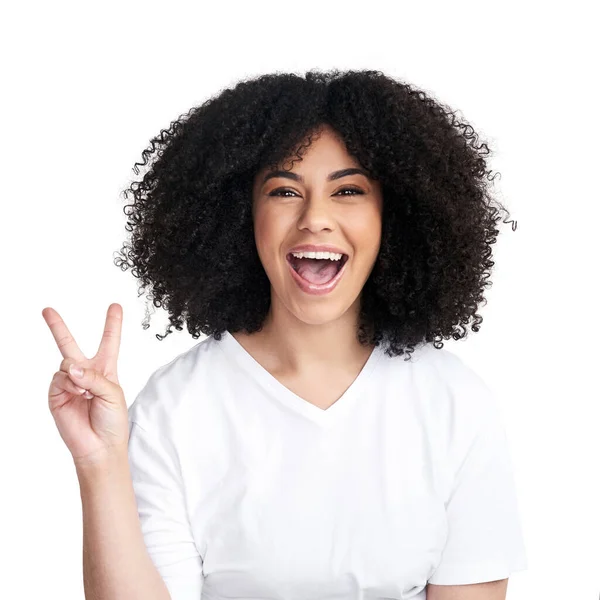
(313, 288)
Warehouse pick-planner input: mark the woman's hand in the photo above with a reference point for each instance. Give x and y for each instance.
(95, 424)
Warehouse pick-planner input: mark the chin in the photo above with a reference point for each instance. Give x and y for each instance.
(320, 312)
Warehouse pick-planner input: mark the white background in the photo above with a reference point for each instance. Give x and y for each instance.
(86, 85)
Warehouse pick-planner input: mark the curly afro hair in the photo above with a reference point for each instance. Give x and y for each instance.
(191, 219)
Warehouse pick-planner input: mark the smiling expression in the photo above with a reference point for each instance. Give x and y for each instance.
(326, 199)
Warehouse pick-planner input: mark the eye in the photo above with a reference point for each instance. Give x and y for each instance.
(280, 191)
(353, 190)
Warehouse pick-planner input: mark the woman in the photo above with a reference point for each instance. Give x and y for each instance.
(320, 442)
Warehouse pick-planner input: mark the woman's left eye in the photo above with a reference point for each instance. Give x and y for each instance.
(354, 190)
(279, 191)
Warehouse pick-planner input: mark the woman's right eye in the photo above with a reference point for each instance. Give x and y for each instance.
(279, 191)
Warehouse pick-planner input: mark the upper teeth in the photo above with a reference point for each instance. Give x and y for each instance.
(329, 255)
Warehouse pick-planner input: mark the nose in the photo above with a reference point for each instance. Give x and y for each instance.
(316, 215)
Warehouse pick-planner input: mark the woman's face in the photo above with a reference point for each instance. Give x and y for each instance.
(303, 207)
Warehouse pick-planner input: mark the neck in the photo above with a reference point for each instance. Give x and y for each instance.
(303, 347)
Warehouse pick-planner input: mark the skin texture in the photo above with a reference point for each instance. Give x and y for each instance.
(306, 338)
(490, 590)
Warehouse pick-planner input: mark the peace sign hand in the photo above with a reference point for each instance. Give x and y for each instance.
(94, 425)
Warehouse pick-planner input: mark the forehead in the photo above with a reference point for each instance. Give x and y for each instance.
(297, 176)
(325, 154)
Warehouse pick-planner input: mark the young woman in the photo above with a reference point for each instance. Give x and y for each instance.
(325, 233)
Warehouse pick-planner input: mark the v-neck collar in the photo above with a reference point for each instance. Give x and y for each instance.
(231, 347)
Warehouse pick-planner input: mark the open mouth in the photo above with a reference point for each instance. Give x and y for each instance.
(316, 271)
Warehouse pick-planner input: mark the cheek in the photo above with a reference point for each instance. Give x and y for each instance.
(269, 233)
(365, 227)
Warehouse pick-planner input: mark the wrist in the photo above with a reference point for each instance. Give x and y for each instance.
(106, 460)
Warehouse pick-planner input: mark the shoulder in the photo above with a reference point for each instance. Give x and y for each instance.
(460, 413)
(453, 400)
(446, 365)
(167, 388)
(455, 385)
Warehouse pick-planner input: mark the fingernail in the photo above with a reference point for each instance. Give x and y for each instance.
(76, 371)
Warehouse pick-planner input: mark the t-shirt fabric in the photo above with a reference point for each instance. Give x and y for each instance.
(246, 490)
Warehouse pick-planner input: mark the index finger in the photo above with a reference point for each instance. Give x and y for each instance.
(62, 336)
(111, 337)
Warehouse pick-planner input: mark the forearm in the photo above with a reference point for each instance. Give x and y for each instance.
(116, 564)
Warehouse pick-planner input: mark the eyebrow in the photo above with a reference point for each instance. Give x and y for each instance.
(332, 176)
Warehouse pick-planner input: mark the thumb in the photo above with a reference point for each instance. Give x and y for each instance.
(96, 383)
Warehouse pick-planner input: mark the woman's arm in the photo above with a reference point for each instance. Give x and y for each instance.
(116, 564)
(490, 590)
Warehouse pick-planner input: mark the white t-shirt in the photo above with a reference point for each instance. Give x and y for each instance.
(245, 490)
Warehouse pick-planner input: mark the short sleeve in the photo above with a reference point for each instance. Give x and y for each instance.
(162, 513)
(485, 541)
